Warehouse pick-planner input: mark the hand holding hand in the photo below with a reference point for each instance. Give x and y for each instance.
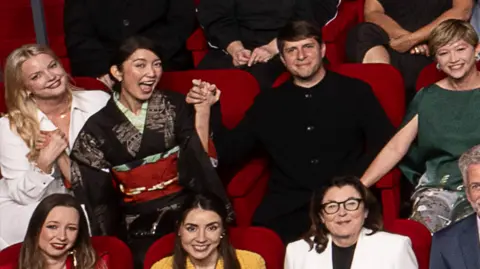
(42, 140)
(241, 57)
(202, 94)
(57, 143)
(261, 55)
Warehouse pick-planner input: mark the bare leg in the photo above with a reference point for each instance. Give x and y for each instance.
(377, 54)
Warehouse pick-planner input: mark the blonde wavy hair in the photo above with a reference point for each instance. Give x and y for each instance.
(21, 107)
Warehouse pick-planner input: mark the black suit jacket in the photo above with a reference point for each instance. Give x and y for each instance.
(457, 246)
(95, 28)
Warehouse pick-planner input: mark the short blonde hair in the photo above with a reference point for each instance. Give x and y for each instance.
(22, 110)
(449, 31)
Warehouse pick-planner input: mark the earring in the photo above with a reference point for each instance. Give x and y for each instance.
(75, 263)
(221, 236)
(477, 57)
(438, 66)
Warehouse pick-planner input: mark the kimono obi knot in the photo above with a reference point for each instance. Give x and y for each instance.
(150, 178)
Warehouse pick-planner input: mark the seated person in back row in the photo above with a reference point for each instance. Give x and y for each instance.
(457, 246)
(396, 32)
(242, 33)
(313, 127)
(94, 29)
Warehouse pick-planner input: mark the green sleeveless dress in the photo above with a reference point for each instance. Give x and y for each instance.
(448, 125)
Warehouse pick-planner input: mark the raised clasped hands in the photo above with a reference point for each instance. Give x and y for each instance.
(202, 95)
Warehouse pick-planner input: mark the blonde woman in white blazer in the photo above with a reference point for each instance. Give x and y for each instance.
(345, 233)
(45, 114)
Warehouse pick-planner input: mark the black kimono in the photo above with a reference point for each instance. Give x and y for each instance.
(310, 135)
(95, 28)
(255, 23)
(129, 181)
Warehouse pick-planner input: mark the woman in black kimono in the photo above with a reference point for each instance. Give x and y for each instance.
(124, 161)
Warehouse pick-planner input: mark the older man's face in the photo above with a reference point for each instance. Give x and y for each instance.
(473, 186)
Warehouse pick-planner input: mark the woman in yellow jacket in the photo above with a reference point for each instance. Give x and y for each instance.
(202, 239)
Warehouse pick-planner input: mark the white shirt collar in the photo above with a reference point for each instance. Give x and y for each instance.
(47, 125)
(478, 226)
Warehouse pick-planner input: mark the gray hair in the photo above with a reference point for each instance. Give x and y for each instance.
(470, 157)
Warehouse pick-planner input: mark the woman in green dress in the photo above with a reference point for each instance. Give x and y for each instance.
(442, 122)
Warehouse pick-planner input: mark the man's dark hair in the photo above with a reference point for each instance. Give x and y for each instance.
(298, 30)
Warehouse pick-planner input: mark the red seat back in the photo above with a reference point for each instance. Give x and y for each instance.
(420, 237)
(256, 239)
(430, 74)
(119, 253)
(3, 105)
(238, 88)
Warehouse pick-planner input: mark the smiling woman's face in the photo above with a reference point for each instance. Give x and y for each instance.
(140, 74)
(349, 219)
(457, 59)
(200, 234)
(44, 77)
(59, 232)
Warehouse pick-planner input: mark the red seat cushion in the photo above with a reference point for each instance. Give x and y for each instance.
(112, 250)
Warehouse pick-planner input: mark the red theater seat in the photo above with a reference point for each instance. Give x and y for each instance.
(430, 74)
(54, 24)
(420, 237)
(3, 105)
(119, 255)
(256, 239)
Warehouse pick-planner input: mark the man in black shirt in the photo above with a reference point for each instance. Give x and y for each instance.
(314, 127)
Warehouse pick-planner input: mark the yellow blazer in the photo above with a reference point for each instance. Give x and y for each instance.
(247, 259)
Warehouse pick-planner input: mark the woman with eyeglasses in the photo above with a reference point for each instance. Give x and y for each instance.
(345, 233)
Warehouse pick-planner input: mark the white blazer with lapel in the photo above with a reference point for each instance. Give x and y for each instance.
(381, 250)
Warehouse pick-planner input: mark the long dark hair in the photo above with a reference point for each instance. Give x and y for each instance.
(212, 203)
(125, 50)
(31, 256)
(319, 231)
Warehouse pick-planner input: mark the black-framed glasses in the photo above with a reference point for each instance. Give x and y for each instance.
(351, 204)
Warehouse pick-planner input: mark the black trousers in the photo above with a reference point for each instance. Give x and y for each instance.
(265, 73)
(367, 35)
(139, 237)
(291, 226)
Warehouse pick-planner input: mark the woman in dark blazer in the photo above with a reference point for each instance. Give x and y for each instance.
(94, 29)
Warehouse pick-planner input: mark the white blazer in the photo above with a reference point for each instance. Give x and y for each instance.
(378, 251)
(23, 186)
